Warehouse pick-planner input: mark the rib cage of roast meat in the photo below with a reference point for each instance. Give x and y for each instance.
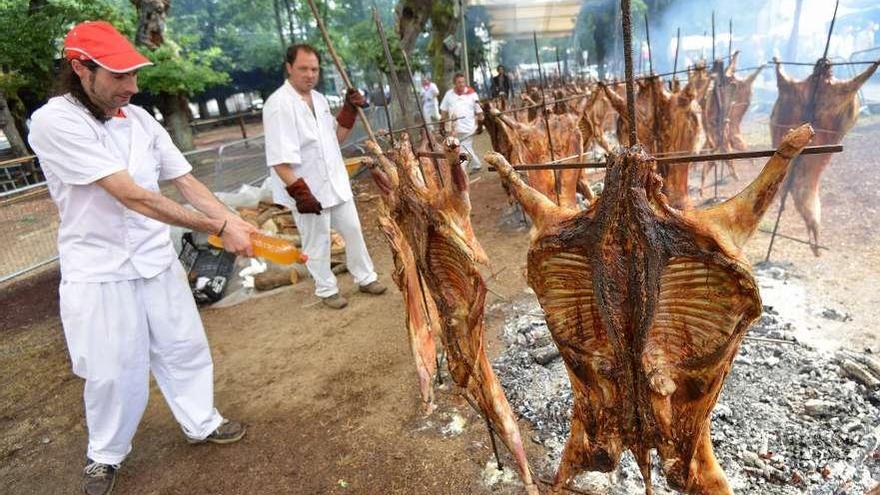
(834, 113)
(723, 114)
(648, 305)
(430, 206)
(422, 320)
(666, 123)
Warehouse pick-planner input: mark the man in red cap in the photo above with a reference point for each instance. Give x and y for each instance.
(125, 303)
(309, 176)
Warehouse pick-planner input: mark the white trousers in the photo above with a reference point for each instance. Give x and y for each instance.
(117, 332)
(467, 143)
(315, 232)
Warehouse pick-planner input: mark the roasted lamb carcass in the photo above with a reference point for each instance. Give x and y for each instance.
(648, 306)
(432, 207)
(422, 320)
(834, 113)
(723, 115)
(531, 145)
(667, 123)
(592, 113)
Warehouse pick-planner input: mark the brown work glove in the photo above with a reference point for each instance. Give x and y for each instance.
(305, 201)
(348, 114)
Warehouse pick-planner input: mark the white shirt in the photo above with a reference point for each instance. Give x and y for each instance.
(99, 239)
(464, 107)
(308, 143)
(429, 96)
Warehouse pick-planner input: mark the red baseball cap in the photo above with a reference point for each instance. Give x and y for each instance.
(100, 42)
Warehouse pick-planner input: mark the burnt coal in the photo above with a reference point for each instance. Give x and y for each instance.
(790, 419)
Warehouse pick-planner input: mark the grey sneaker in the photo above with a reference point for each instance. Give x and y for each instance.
(335, 301)
(99, 479)
(227, 432)
(374, 288)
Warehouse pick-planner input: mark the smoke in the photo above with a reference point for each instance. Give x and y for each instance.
(762, 30)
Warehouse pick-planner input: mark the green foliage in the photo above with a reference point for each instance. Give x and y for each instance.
(178, 71)
(31, 39)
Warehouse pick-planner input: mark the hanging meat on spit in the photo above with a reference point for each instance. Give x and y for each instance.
(422, 320)
(648, 305)
(592, 113)
(832, 107)
(723, 115)
(667, 123)
(432, 208)
(529, 144)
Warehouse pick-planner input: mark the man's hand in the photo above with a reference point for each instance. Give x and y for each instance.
(237, 236)
(348, 114)
(302, 195)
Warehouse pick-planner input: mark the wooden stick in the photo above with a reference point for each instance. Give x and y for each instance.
(340, 67)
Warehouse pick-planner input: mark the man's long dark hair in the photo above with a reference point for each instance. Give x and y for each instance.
(69, 82)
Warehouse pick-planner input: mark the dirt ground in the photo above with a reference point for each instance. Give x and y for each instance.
(331, 397)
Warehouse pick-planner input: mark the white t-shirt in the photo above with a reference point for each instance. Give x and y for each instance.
(99, 239)
(308, 143)
(429, 96)
(464, 107)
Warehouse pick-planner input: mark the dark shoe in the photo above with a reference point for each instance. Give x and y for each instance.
(335, 301)
(227, 432)
(98, 479)
(374, 288)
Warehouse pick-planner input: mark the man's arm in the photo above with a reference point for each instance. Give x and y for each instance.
(298, 190)
(121, 186)
(285, 172)
(204, 200)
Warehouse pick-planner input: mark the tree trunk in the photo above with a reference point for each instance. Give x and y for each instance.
(412, 15)
(278, 24)
(175, 109)
(151, 22)
(7, 124)
(203, 108)
(443, 23)
(221, 105)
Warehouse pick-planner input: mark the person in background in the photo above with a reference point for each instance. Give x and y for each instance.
(126, 306)
(502, 85)
(309, 175)
(430, 92)
(463, 104)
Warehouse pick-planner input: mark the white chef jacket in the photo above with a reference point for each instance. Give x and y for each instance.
(308, 143)
(464, 107)
(429, 98)
(99, 239)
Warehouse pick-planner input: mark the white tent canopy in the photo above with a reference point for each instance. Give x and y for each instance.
(548, 18)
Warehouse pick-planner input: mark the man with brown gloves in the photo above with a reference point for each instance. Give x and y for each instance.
(309, 175)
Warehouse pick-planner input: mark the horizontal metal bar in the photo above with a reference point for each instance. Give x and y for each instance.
(14, 192)
(795, 239)
(808, 64)
(708, 157)
(11, 276)
(418, 126)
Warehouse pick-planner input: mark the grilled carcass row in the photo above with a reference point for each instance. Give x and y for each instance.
(422, 321)
(432, 208)
(666, 122)
(834, 112)
(529, 143)
(648, 305)
(723, 114)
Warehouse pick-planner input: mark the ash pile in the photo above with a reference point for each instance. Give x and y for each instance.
(790, 419)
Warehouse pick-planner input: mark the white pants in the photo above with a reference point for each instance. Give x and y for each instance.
(315, 232)
(467, 144)
(117, 332)
(431, 112)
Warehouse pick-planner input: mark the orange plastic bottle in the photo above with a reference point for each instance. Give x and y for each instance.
(272, 248)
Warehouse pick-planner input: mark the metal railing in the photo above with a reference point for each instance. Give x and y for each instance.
(29, 220)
